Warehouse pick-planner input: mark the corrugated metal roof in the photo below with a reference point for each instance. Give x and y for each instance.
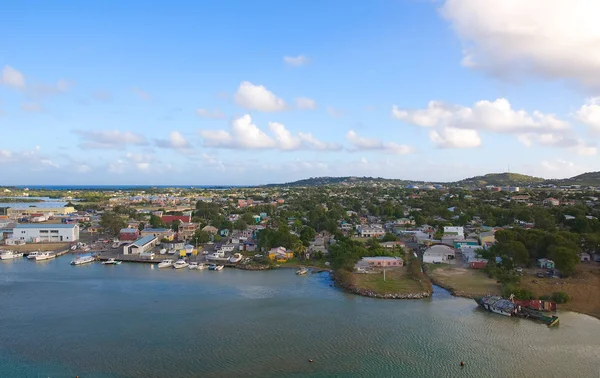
(46, 225)
(143, 241)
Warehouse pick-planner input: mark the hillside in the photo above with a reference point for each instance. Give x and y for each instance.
(501, 179)
(320, 181)
(584, 179)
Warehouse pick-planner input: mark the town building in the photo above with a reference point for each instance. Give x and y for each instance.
(545, 263)
(18, 211)
(127, 234)
(46, 232)
(141, 245)
(280, 254)
(168, 219)
(371, 231)
(159, 233)
(551, 202)
(454, 230)
(379, 262)
(439, 254)
(210, 229)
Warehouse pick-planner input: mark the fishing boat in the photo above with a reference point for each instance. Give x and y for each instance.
(111, 261)
(497, 305)
(83, 260)
(302, 271)
(9, 255)
(193, 265)
(33, 255)
(44, 256)
(165, 263)
(236, 258)
(179, 264)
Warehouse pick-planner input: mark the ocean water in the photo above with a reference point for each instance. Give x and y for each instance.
(130, 320)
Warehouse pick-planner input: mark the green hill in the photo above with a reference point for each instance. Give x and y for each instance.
(501, 179)
(584, 179)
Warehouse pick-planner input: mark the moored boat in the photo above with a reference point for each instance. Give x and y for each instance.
(302, 271)
(219, 267)
(193, 265)
(44, 256)
(9, 255)
(33, 255)
(165, 263)
(517, 308)
(83, 260)
(180, 264)
(111, 261)
(202, 266)
(236, 258)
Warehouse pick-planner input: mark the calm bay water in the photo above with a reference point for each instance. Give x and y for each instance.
(58, 320)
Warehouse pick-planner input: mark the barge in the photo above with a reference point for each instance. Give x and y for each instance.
(528, 309)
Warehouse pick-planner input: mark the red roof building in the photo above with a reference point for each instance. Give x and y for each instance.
(129, 234)
(168, 219)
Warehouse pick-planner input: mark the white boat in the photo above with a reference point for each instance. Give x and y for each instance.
(8, 255)
(180, 264)
(44, 256)
(302, 271)
(193, 265)
(163, 251)
(171, 251)
(219, 267)
(111, 261)
(165, 263)
(83, 260)
(33, 255)
(217, 256)
(115, 245)
(202, 266)
(236, 258)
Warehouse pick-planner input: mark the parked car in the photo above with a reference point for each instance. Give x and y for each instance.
(541, 275)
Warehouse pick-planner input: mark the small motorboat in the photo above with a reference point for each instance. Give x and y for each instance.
(115, 245)
(9, 255)
(165, 263)
(202, 266)
(83, 260)
(302, 271)
(236, 258)
(180, 264)
(219, 267)
(111, 261)
(163, 251)
(193, 265)
(44, 256)
(33, 255)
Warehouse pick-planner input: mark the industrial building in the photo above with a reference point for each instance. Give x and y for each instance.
(46, 232)
(140, 246)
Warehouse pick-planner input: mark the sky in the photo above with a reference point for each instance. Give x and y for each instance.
(255, 92)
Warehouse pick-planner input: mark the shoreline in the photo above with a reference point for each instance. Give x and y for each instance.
(342, 283)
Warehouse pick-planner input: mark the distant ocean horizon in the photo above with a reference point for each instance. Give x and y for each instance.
(124, 187)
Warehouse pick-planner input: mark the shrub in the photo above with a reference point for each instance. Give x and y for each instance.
(519, 293)
(544, 297)
(560, 297)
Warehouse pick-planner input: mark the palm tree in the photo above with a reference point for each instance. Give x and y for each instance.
(299, 249)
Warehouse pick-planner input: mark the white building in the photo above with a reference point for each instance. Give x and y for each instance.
(439, 254)
(456, 230)
(371, 231)
(140, 246)
(46, 232)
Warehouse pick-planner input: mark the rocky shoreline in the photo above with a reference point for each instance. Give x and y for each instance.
(253, 267)
(368, 293)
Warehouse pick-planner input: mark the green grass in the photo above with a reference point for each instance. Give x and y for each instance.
(398, 281)
(463, 281)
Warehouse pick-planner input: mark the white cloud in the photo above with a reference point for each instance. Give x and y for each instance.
(12, 77)
(305, 103)
(143, 95)
(335, 113)
(216, 114)
(31, 107)
(552, 39)
(45, 90)
(245, 134)
(176, 141)
(495, 116)
(449, 137)
(109, 139)
(574, 144)
(590, 114)
(257, 97)
(361, 143)
(295, 61)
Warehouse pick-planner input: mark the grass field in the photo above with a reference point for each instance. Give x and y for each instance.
(583, 288)
(397, 281)
(463, 282)
(38, 247)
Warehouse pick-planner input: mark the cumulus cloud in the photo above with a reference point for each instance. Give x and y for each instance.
(109, 139)
(590, 114)
(359, 143)
(257, 97)
(176, 141)
(216, 114)
(295, 61)
(32, 160)
(32, 107)
(552, 39)
(245, 134)
(450, 137)
(143, 95)
(574, 144)
(496, 116)
(12, 77)
(305, 103)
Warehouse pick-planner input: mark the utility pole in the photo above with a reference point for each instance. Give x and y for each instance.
(384, 275)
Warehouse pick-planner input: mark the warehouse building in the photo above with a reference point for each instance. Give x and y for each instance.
(140, 246)
(46, 232)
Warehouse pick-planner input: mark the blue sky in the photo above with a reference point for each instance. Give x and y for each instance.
(232, 92)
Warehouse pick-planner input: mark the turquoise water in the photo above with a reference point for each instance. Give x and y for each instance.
(58, 320)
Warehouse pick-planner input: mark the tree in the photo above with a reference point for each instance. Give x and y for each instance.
(200, 237)
(240, 224)
(307, 234)
(299, 249)
(141, 226)
(389, 237)
(248, 218)
(565, 259)
(175, 225)
(156, 222)
(112, 222)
